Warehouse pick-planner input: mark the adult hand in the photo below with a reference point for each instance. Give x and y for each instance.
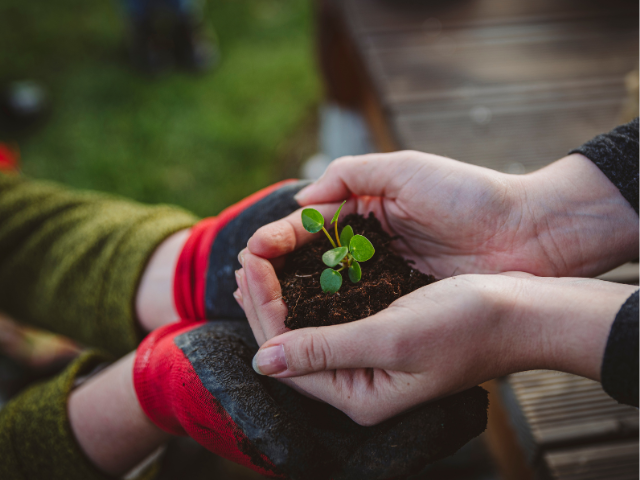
(564, 220)
(438, 340)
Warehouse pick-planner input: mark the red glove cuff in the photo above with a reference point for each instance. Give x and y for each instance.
(173, 396)
(191, 271)
(155, 373)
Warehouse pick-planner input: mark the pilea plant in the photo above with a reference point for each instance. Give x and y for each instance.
(348, 249)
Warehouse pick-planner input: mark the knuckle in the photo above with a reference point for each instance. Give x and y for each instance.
(339, 165)
(312, 353)
(340, 161)
(277, 236)
(281, 232)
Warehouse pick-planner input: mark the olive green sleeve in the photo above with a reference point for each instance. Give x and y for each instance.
(70, 262)
(36, 440)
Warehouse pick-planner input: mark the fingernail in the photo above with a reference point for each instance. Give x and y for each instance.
(238, 278)
(238, 296)
(302, 194)
(270, 361)
(241, 256)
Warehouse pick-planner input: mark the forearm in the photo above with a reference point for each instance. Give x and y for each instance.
(582, 222)
(108, 422)
(561, 323)
(71, 262)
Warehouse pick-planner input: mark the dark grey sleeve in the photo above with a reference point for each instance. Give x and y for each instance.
(619, 373)
(616, 154)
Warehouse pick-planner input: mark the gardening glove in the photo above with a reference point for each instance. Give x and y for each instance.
(204, 279)
(197, 379)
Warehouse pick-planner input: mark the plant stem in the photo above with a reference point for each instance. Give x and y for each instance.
(340, 269)
(329, 237)
(337, 236)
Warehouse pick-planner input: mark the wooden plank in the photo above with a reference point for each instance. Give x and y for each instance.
(553, 409)
(514, 59)
(515, 101)
(381, 16)
(610, 461)
(505, 84)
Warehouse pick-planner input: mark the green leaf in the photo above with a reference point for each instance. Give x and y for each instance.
(334, 257)
(355, 272)
(337, 214)
(312, 220)
(330, 281)
(361, 248)
(346, 235)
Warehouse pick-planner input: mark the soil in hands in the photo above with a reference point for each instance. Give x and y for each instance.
(385, 278)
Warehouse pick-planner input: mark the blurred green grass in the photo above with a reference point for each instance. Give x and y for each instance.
(201, 142)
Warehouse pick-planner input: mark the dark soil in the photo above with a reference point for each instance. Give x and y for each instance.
(385, 278)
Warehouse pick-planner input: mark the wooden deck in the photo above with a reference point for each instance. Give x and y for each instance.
(508, 84)
(569, 428)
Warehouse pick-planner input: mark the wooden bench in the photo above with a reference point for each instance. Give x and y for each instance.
(511, 85)
(569, 428)
(506, 84)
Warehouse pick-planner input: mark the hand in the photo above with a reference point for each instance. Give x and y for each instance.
(563, 220)
(438, 340)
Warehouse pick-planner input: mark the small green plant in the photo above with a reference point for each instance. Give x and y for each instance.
(348, 249)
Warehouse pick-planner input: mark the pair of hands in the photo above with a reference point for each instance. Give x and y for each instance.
(462, 220)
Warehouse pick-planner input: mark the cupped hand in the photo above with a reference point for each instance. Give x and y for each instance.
(438, 340)
(564, 220)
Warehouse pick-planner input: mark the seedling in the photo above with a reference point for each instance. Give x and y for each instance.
(348, 249)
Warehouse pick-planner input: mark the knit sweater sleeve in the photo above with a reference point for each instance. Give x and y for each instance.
(616, 154)
(619, 372)
(70, 262)
(36, 439)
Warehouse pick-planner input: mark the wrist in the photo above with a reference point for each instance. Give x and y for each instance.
(109, 424)
(561, 323)
(583, 225)
(155, 304)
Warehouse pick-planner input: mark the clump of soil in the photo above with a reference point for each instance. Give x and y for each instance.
(385, 278)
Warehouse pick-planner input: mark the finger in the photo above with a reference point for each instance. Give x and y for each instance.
(374, 342)
(266, 295)
(277, 262)
(286, 235)
(380, 175)
(238, 296)
(249, 309)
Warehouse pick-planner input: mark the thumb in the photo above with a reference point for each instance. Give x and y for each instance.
(377, 175)
(367, 343)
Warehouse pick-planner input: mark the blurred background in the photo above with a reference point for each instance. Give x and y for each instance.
(199, 141)
(200, 105)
